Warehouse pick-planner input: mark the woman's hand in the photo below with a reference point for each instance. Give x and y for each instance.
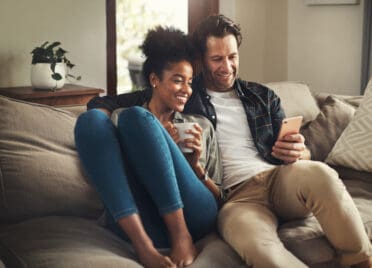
(173, 132)
(194, 143)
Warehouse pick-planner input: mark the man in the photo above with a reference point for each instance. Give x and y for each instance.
(265, 179)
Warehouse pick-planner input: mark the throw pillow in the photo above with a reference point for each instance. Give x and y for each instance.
(354, 147)
(40, 171)
(322, 133)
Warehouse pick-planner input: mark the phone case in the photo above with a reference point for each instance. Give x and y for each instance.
(290, 125)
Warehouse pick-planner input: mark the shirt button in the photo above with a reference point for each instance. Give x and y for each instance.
(207, 97)
(213, 117)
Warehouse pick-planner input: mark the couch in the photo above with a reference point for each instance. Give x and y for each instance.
(50, 216)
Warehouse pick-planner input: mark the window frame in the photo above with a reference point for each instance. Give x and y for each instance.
(198, 10)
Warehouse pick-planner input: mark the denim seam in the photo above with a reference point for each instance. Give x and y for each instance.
(171, 208)
(125, 213)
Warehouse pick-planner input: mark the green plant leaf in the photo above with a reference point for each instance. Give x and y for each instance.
(56, 76)
(53, 67)
(53, 45)
(45, 43)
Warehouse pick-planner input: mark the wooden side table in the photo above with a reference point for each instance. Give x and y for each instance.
(68, 95)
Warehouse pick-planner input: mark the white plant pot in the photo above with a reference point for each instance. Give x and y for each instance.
(41, 76)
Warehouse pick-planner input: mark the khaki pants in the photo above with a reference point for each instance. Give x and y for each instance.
(249, 219)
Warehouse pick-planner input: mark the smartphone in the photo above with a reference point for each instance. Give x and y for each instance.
(290, 125)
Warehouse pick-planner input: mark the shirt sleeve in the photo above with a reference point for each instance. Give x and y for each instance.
(213, 161)
(277, 114)
(112, 103)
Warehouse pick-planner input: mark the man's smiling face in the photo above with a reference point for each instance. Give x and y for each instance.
(220, 62)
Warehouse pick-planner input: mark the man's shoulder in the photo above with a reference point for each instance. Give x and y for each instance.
(257, 89)
(253, 86)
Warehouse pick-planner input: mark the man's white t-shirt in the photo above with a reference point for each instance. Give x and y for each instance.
(239, 155)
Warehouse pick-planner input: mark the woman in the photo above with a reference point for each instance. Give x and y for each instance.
(153, 196)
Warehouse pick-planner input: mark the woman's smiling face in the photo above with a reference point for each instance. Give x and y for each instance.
(173, 89)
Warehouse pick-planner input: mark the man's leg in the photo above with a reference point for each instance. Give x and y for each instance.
(309, 186)
(251, 229)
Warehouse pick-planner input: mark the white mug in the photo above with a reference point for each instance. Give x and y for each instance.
(182, 127)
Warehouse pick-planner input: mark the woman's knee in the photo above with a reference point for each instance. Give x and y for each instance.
(133, 115)
(93, 124)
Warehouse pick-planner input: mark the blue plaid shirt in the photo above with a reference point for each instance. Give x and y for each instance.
(262, 108)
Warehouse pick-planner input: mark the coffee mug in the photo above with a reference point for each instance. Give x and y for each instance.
(182, 128)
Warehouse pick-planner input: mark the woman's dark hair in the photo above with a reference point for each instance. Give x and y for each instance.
(215, 25)
(163, 46)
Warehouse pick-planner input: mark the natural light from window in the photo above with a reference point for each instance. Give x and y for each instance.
(133, 19)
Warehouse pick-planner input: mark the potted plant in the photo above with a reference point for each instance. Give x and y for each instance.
(50, 66)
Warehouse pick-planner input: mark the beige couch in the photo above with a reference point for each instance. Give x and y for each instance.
(49, 212)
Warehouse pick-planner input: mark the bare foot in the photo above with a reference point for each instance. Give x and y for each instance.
(151, 258)
(363, 264)
(183, 252)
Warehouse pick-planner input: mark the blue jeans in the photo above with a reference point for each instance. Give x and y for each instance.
(137, 168)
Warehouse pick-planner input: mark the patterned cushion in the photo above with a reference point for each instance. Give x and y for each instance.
(354, 147)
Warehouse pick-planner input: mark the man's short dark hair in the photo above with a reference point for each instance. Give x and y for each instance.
(215, 25)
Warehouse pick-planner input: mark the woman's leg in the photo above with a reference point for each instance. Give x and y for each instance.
(160, 166)
(99, 150)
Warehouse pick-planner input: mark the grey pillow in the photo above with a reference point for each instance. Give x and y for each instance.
(322, 133)
(40, 172)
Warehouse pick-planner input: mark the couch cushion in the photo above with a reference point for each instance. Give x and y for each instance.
(296, 99)
(322, 133)
(354, 147)
(77, 242)
(65, 242)
(40, 172)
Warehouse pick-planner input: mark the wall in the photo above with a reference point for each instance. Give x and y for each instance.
(325, 46)
(79, 25)
(263, 53)
(288, 40)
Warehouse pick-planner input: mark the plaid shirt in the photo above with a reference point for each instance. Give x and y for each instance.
(261, 105)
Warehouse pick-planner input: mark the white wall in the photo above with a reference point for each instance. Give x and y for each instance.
(288, 40)
(325, 46)
(263, 53)
(80, 25)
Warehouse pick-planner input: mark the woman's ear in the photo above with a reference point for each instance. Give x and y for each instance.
(154, 80)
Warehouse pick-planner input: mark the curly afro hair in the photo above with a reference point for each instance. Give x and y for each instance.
(162, 47)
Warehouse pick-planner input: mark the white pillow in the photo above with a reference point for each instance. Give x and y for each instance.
(354, 147)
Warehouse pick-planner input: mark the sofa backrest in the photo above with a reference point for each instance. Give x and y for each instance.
(40, 172)
(296, 99)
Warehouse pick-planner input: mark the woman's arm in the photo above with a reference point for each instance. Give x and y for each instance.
(208, 182)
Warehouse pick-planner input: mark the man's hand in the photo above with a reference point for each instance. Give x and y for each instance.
(290, 149)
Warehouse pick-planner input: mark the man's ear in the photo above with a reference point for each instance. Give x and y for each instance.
(154, 80)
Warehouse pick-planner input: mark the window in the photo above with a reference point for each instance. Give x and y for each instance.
(133, 20)
(146, 12)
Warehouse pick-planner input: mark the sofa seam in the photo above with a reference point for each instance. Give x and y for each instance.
(10, 258)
